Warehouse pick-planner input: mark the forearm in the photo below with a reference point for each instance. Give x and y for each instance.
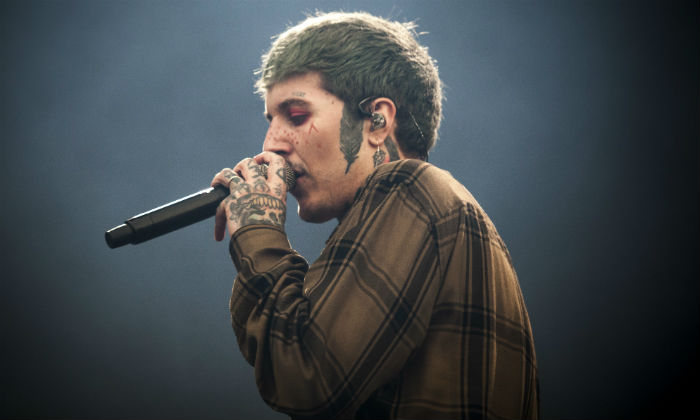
(325, 353)
(263, 258)
(269, 315)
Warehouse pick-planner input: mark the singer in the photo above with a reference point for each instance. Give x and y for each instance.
(413, 309)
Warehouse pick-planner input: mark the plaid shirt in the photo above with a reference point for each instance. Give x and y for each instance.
(413, 309)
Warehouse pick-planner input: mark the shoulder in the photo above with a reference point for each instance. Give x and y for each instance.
(435, 190)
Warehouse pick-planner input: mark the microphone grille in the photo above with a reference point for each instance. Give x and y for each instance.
(289, 178)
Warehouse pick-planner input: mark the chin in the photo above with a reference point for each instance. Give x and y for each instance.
(311, 215)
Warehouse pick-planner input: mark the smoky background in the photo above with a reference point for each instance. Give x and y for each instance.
(575, 125)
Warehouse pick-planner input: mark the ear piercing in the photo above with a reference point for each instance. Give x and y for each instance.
(377, 120)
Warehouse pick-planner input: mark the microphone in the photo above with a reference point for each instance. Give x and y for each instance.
(177, 214)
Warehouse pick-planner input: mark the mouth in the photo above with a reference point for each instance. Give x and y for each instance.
(297, 175)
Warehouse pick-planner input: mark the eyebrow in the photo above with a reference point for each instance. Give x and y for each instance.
(285, 105)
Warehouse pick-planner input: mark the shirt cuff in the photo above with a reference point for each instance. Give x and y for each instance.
(257, 248)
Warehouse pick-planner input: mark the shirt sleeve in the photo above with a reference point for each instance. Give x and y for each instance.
(323, 339)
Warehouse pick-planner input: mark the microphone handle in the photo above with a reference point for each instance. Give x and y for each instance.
(167, 218)
(178, 214)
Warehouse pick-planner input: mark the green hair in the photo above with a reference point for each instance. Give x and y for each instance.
(358, 56)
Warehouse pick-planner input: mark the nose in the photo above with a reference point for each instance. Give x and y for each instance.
(277, 139)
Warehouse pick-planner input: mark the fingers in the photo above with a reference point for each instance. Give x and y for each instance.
(275, 171)
(251, 194)
(248, 170)
(270, 158)
(220, 220)
(225, 177)
(229, 179)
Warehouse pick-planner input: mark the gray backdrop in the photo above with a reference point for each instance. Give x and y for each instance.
(575, 124)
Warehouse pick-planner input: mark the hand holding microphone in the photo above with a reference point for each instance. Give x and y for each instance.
(256, 195)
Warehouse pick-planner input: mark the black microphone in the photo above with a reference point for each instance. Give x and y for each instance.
(177, 214)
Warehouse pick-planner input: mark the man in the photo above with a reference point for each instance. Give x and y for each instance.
(413, 309)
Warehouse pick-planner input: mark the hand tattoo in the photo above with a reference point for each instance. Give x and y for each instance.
(231, 177)
(253, 202)
(257, 208)
(278, 187)
(350, 136)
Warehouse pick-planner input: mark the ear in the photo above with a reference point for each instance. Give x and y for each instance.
(387, 108)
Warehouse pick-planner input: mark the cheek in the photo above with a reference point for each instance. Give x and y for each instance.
(294, 137)
(284, 134)
(322, 137)
(312, 129)
(313, 137)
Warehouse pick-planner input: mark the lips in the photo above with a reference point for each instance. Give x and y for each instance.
(297, 174)
(295, 168)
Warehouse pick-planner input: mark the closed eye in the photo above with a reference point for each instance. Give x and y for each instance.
(295, 110)
(298, 117)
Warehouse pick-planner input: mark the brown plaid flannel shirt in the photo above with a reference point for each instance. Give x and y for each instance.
(413, 309)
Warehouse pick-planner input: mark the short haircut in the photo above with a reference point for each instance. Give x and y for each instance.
(358, 56)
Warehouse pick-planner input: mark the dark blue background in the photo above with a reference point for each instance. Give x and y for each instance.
(575, 124)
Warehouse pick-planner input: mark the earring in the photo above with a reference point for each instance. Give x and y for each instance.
(378, 156)
(378, 121)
